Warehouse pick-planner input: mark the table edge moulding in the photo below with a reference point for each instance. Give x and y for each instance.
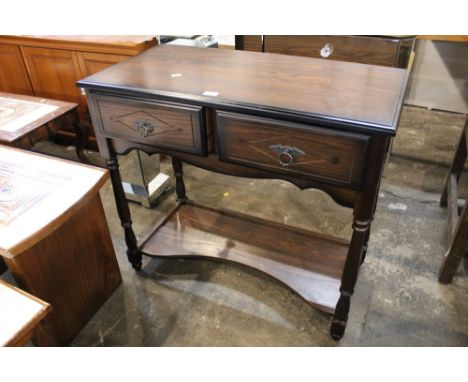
(315, 123)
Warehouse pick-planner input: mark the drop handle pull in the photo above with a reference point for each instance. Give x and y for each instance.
(144, 127)
(286, 154)
(326, 51)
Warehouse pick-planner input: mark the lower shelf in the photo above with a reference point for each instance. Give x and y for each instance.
(308, 263)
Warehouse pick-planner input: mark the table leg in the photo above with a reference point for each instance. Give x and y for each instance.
(457, 164)
(133, 253)
(363, 212)
(82, 137)
(457, 249)
(179, 175)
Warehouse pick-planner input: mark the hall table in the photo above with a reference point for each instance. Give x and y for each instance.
(54, 238)
(315, 123)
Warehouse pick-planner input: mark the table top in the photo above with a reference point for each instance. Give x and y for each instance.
(354, 94)
(20, 115)
(37, 194)
(449, 38)
(20, 313)
(113, 44)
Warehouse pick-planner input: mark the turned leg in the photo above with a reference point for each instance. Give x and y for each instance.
(82, 137)
(363, 213)
(179, 175)
(457, 165)
(456, 250)
(133, 253)
(367, 235)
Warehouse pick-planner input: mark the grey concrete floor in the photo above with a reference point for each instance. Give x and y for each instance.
(397, 302)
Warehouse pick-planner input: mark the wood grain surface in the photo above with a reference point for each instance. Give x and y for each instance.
(74, 268)
(168, 125)
(20, 314)
(323, 154)
(41, 194)
(364, 95)
(308, 263)
(15, 101)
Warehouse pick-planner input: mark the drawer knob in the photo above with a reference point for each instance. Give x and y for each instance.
(326, 51)
(144, 127)
(286, 154)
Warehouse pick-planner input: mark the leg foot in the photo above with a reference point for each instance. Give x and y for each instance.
(134, 257)
(337, 329)
(82, 137)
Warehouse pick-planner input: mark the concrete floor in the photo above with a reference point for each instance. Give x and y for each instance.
(397, 302)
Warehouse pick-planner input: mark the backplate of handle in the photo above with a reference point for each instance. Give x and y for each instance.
(286, 154)
(144, 127)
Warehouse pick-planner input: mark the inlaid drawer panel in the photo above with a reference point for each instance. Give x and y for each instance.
(363, 49)
(298, 150)
(170, 125)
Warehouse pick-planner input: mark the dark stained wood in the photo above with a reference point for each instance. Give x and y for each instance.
(308, 263)
(300, 150)
(457, 227)
(253, 43)
(343, 196)
(363, 49)
(363, 213)
(362, 96)
(70, 271)
(457, 249)
(180, 185)
(133, 254)
(376, 50)
(346, 112)
(176, 126)
(13, 75)
(458, 164)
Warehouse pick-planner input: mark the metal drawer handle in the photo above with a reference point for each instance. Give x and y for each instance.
(144, 127)
(286, 154)
(327, 50)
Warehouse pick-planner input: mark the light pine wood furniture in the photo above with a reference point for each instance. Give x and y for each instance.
(26, 120)
(20, 315)
(49, 66)
(54, 236)
(457, 227)
(315, 123)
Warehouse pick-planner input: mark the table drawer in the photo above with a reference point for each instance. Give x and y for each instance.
(362, 49)
(298, 150)
(168, 125)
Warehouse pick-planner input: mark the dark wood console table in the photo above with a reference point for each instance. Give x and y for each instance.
(314, 123)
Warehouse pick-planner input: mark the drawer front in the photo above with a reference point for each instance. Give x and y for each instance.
(365, 50)
(168, 125)
(294, 149)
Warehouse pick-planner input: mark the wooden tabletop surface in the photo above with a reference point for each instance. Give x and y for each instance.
(20, 115)
(354, 93)
(20, 313)
(37, 194)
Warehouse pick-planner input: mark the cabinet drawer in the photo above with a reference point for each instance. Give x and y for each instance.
(168, 125)
(294, 149)
(362, 49)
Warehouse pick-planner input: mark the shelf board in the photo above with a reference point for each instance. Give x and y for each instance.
(309, 263)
